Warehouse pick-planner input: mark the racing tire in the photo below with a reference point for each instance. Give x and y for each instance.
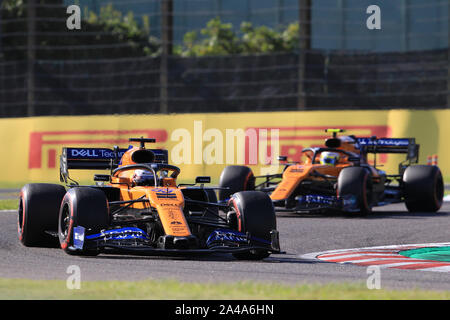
(423, 188)
(255, 214)
(235, 178)
(38, 212)
(356, 182)
(86, 207)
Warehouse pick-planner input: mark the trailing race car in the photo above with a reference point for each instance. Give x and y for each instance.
(138, 208)
(339, 177)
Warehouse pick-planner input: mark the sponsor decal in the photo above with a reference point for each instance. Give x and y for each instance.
(161, 190)
(388, 142)
(347, 203)
(52, 142)
(119, 234)
(166, 196)
(222, 235)
(78, 237)
(165, 193)
(173, 215)
(318, 199)
(92, 153)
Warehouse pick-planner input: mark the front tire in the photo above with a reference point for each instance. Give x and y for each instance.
(424, 188)
(38, 211)
(356, 182)
(85, 207)
(255, 214)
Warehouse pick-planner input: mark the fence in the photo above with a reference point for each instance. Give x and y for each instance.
(127, 64)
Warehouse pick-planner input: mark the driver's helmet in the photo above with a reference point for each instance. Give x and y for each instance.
(329, 158)
(143, 178)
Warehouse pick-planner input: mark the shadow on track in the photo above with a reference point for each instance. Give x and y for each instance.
(292, 259)
(218, 257)
(212, 257)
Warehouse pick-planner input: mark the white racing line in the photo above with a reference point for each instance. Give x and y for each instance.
(383, 257)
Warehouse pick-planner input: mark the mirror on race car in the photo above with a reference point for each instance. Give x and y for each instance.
(203, 179)
(102, 177)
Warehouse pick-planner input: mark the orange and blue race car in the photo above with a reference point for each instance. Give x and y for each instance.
(339, 176)
(138, 208)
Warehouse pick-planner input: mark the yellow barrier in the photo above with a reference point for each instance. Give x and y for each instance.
(203, 144)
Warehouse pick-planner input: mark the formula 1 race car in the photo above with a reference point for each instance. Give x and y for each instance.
(138, 208)
(338, 176)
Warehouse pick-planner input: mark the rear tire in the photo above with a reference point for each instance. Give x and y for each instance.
(356, 182)
(255, 214)
(235, 178)
(38, 211)
(424, 188)
(85, 207)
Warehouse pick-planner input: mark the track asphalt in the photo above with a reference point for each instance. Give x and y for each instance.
(299, 235)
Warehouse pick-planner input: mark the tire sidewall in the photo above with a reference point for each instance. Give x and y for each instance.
(356, 181)
(255, 214)
(68, 203)
(38, 212)
(423, 188)
(86, 207)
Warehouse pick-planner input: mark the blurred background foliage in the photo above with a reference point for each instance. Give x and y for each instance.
(118, 35)
(218, 38)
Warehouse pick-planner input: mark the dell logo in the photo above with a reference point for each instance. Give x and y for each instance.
(84, 153)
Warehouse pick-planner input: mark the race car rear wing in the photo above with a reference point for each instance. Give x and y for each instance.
(391, 145)
(98, 159)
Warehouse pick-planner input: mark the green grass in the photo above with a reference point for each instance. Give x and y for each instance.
(176, 290)
(9, 204)
(12, 185)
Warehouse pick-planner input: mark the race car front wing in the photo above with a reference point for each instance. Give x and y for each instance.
(324, 202)
(132, 240)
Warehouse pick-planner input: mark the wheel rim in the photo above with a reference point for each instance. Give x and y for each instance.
(65, 222)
